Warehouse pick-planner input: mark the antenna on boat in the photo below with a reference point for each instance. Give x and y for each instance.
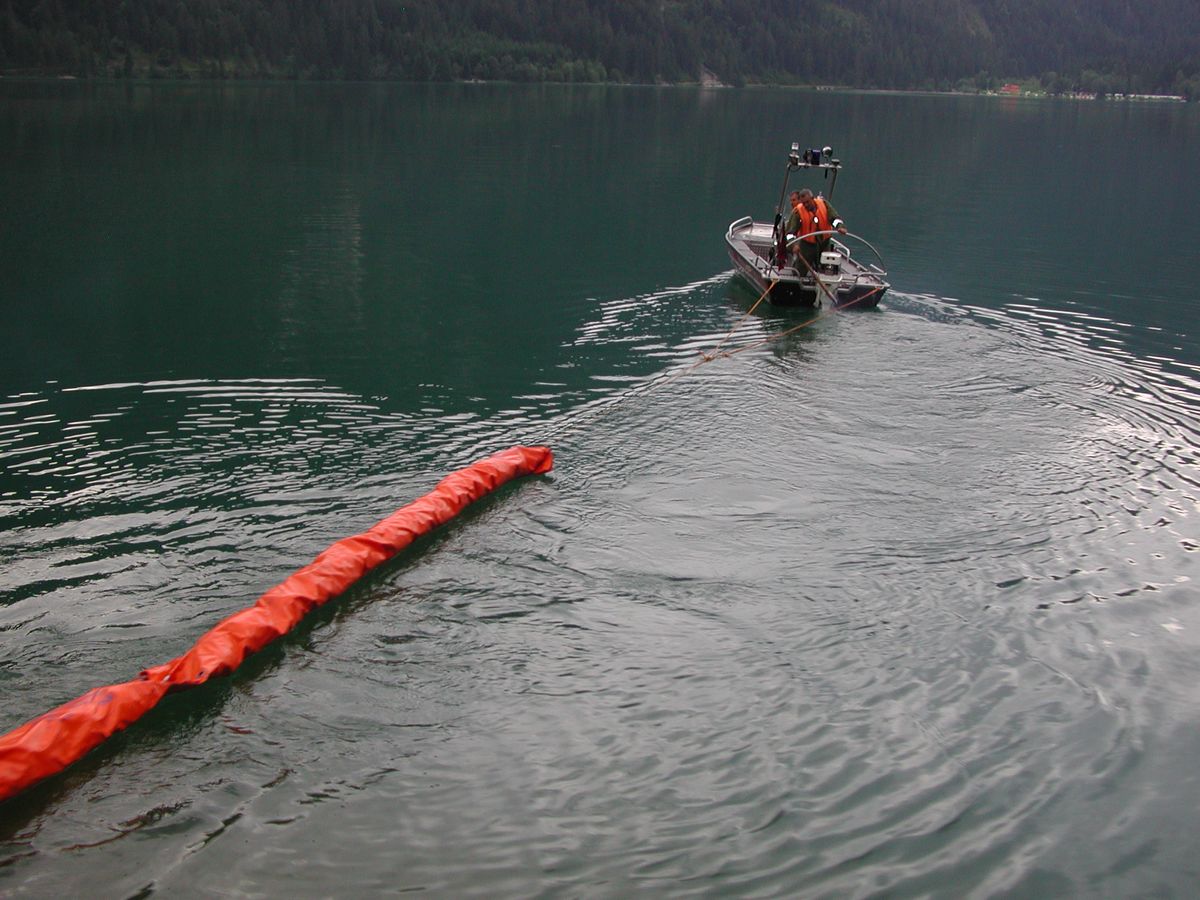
(833, 164)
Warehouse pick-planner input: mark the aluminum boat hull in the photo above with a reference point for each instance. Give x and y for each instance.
(853, 286)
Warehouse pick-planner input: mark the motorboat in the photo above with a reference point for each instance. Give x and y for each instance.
(765, 255)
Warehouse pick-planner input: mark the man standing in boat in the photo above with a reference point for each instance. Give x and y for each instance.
(810, 215)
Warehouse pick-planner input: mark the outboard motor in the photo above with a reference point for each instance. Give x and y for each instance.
(829, 267)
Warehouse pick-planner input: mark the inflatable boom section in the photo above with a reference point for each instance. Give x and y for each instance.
(54, 740)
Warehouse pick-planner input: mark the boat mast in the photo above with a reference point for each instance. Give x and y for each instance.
(793, 163)
(811, 159)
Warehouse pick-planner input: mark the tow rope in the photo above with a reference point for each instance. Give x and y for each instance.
(703, 357)
(54, 740)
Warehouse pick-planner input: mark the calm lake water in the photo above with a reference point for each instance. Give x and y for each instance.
(900, 603)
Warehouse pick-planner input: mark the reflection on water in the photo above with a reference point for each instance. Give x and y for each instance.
(888, 602)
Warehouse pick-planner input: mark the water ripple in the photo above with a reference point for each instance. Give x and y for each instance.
(873, 607)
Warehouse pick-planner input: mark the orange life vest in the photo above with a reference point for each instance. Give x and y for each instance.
(811, 222)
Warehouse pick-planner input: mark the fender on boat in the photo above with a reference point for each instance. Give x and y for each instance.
(54, 740)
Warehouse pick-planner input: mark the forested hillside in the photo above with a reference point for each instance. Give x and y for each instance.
(1095, 45)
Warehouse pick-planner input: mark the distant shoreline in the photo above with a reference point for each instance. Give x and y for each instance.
(708, 85)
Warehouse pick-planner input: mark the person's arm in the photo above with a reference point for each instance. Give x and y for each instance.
(835, 221)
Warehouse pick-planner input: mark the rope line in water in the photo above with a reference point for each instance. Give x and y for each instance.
(48, 744)
(738, 324)
(823, 315)
(709, 356)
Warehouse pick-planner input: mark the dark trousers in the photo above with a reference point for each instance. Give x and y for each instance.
(810, 253)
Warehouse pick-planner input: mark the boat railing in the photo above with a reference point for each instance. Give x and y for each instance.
(878, 269)
(744, 220)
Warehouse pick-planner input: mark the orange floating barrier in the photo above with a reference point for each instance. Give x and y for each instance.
(54, 740)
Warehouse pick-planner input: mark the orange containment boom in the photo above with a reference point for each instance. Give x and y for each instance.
(48, 744)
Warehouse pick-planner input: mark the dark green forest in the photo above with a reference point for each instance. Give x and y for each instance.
(1097, 46)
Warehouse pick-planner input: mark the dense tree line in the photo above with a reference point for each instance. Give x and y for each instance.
(1096, 45)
